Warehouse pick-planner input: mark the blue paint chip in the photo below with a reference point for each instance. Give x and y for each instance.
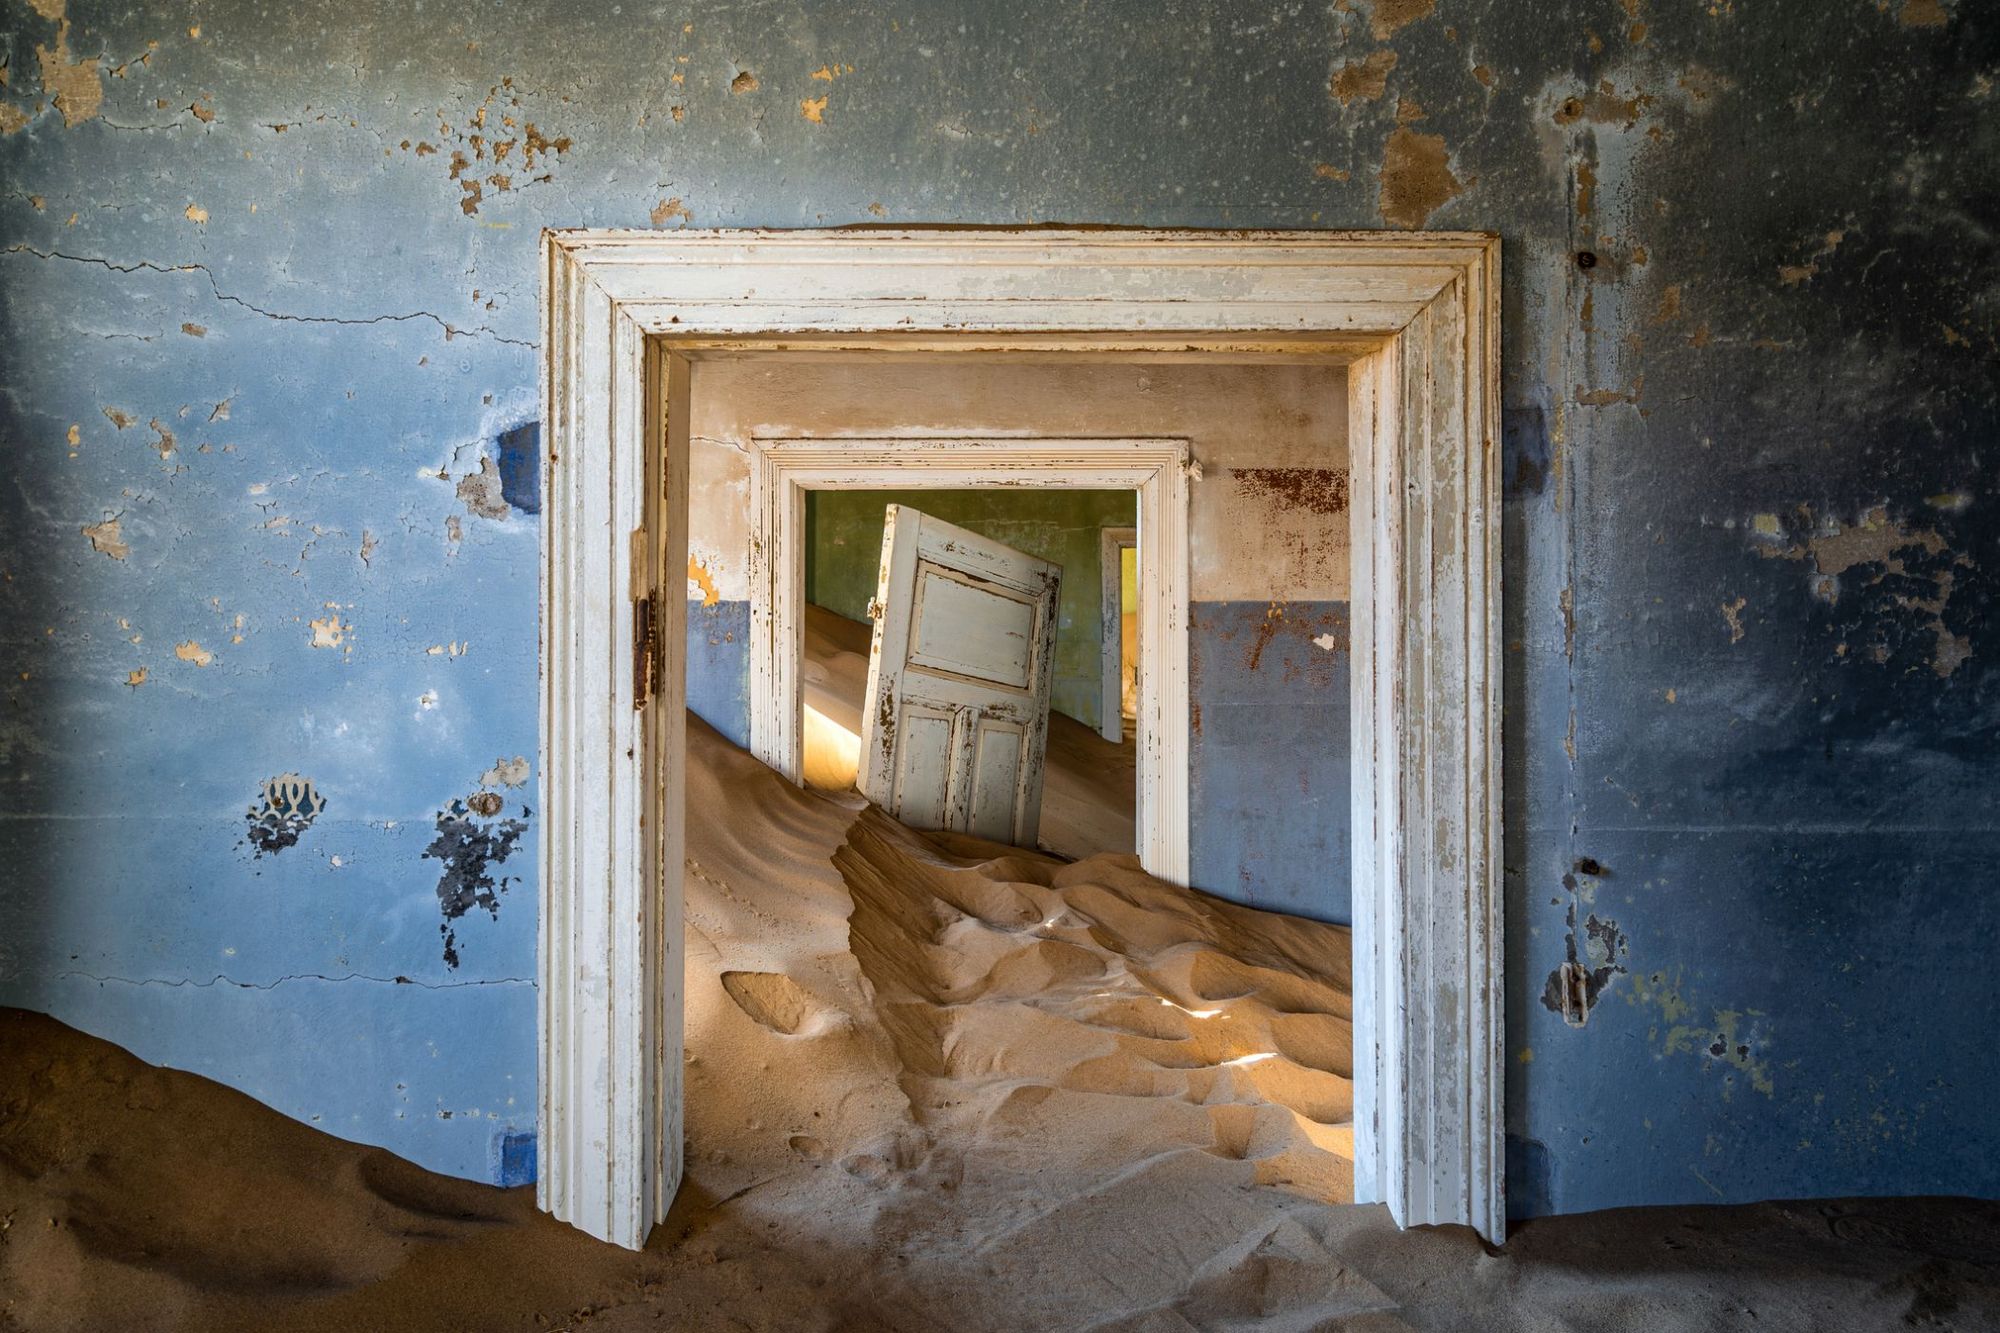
(519, 454)
(514, 1151)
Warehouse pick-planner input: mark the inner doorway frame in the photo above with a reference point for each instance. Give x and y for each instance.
(1416, 318)
(1111, 543)
(783, 469)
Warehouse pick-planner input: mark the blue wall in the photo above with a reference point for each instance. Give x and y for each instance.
(1753, 676)
(1268, 789)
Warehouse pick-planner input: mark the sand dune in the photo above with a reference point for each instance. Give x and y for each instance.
(932, 1084)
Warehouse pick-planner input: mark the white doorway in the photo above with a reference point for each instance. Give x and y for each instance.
(1414, 317)
(1119, 566)
(784, 469)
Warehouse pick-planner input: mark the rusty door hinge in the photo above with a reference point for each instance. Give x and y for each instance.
(645, 650)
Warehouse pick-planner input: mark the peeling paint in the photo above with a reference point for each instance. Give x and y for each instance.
(329, 631)
(1732, 615)
(1417, 179)
(289, 806)
(506, 772)
(1907, 568)
(190, 651)
(1595, 949)
(482, 492)
(1363, 80)
(107, 538)
(74, 86)
(1388, 17)
(470, 844)
(702, 581)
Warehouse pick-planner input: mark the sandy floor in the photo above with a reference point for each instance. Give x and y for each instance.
(930, 1086)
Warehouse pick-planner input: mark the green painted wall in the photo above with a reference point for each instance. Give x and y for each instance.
(844, 549)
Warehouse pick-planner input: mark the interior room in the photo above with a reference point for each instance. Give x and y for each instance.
(992, 667)
(1089, 794)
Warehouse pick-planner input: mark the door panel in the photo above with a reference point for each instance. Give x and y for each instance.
(996, 777)
(978, 630)
(955, 722)
(924, 767)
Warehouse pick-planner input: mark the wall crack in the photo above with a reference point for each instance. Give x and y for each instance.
(147, 266)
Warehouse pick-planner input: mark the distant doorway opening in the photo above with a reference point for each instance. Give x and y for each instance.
(1085, 779)
(786, 472)
(1118, 566)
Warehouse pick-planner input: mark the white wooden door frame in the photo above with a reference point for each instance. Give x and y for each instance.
(1416, 315)
(782, 470)
(1111, 629)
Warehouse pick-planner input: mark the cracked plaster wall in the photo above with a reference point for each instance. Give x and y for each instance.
(267, 284)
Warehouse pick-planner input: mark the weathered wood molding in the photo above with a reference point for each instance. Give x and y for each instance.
(1415, 315)
(783, 470)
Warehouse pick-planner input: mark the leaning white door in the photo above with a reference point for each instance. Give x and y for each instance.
(957, 712)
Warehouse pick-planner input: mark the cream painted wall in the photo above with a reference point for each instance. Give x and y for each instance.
(1267, 519)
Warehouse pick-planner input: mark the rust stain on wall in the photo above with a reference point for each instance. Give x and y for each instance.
(1274, 620)
(1316, 490)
